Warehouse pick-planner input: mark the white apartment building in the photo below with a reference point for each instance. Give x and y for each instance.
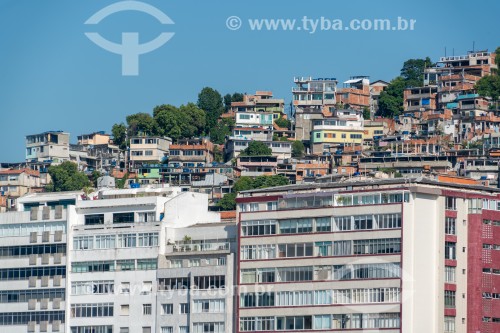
(94, 266)
(50, 146)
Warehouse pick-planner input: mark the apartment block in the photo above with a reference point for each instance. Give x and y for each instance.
(34, 260)
(356, 93)
(391, 255)
(280, 149)
(17, 182)
(261, 102)
(149, 149)
(50, 147)
(194, 152)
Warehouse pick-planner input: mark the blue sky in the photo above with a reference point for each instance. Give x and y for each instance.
(53, 78)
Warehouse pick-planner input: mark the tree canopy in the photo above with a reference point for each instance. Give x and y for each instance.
(187, 121)
(256, 148)
(119, 132)
(391, 100)
(298, 149)
(489, 86)
(210, 101)
(66, 177)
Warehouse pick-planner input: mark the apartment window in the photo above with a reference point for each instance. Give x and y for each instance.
(253, 324)
(324, 248)
(146, 309)
(344, 136)
(83, 242)
(294, 323)
(146, 329)
(323, 224)
(136, 141)
(92, 287)
(295, 226)
(450, 250)
(147, 288)
(377, 246)
(194, 262)
(149, 239)
(184, 308)
(123, 217)
(125, 265)
(363, 222)
(342, 248)
(174, 283)
(449, 274)
(295, 250)
(124, 330)
(148, 153)
(183, 329)
(125, 288)
(167, 309)
(450, 226)
(167, 329)
(217, 327)
(322, 322)
(92, 329)
(257, 228)
(105, 242)
(126, 240)
(209, 306)
(210, 282)
(451, 203)
(91, 310)
(146, 264)
(252, 252)
(343, 223)
(94, 219)
(146, 217)
(273, 205)
(449, 299)
(388, 221)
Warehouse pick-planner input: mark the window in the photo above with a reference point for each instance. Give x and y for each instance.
(322, 322)
(146, 329)
(449, 274)
(210, 282)
(323, 224)
(217, 327)
(91, 310)
(450, 226)
(126, 240)
(174, 283)
(148, 239)
(294, 323)
(183, 329)
(91, 287)
(273, 205)
(184, 308)
(449, 299)
(83, 242)
(146, 217)
(123, 217)
(94, 219)
(167, 309)
(451, 203)
(450, 250)
(295, 250)
(363, 222)
(92, 329)
(377, 246)
(146, 309)
(167, 329)
(256, 228)
(125, 288)
(124, 330)
(210, 306)
(342, 248)
(323, 248)
(104, 242)
(295, 226)
(147, 287)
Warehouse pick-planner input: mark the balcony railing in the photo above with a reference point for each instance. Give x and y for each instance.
(201, 247)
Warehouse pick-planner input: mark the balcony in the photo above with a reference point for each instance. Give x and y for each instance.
(200, 248)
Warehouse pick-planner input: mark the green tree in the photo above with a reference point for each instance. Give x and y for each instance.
(256, 148)
(187, 121)
(218, 157)
(66, 177)
(221, 130)
(413, 71)
(283, 122)
(298, 149)
(228, 202)
(141, 123)
(95, 175)
(119, 132)
(391, 99)
(366, 113)
(210, 101)
(489, 86)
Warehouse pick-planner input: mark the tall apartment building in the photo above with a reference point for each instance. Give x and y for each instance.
(311, 97)
(33, 273)
(102, 265)
(384, 255)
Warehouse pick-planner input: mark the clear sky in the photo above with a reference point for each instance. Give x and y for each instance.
(52, 77)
